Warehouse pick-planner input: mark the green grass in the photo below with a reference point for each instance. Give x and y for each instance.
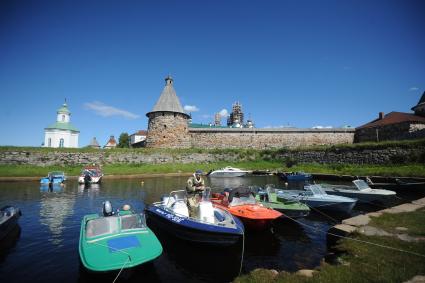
(409, 170)
(404, 170)
(414, 221)
(130, 169)
(365, 262)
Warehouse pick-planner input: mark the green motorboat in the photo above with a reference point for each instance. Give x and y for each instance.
(116, 241)
(290, 208)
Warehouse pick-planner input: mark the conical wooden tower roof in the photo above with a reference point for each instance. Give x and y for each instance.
(168, 101)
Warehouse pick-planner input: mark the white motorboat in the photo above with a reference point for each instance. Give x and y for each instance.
(228, 172)
(90, 175)
(360, 191)
(316, 197)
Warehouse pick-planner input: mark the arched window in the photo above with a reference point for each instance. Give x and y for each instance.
(61, 143)
(63, 118)
(49, 143)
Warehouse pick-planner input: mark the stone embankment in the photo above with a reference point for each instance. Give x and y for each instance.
(351, 156)
(361, 225)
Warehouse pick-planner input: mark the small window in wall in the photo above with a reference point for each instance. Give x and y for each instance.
(63, 118)
(165, 126)
(174, 114)
(162, 113)
(61, 143)
(49, 143)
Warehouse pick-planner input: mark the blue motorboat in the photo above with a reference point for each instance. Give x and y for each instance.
(210, 225)
(295, 176)
(55, 177)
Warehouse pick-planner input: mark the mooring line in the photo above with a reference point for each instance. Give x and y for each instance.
(118, 275)
(357, 240)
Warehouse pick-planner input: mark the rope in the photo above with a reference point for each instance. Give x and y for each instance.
(242, 252)
(128, 259)
(324, 214)
(357, 240)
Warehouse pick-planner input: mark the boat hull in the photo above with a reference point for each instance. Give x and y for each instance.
(46, 181)
(254, 216)
(227, 174)
(94, 180)
(289, 209)
(362, 197)
(186, 229)
(9, 223)
(117, 251)
(345, 207)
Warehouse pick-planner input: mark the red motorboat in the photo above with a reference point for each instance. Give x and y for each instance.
(241, 202)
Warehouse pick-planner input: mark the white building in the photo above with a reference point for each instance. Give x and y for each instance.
(138, 138)
(62, 133)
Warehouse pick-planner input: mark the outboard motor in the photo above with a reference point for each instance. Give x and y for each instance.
(87, 179)
(264, 196)
(107, 208)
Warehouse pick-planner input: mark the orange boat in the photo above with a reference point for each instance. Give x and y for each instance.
(241, 203)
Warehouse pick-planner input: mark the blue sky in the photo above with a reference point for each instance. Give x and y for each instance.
(298, 63)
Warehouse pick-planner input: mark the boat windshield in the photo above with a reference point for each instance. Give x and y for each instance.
(177, 196)
(316, 189)
(361, 185)
(206, 194)
(56, 174)
(101, 226)
(110, 225)
(133, 221)
(243, 200)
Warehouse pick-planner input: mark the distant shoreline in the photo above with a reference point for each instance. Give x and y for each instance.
(132, 176)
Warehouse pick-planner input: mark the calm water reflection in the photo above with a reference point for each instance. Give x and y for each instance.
(45, 247)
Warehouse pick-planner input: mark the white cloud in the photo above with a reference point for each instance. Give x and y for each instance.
(224, 112)
(190, 108)
(413, 88)
(322, 127)
(104, 110)
(206, 116)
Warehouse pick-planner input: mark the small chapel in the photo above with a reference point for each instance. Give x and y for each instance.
(62, 133)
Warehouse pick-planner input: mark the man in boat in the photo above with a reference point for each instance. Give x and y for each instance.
(195, 186)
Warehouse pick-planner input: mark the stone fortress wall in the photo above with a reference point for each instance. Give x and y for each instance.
(267, 138)
(346, 155)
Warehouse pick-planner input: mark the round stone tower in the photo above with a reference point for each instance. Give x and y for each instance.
(168, 123)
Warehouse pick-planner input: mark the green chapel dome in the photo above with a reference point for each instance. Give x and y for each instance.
(64, 109)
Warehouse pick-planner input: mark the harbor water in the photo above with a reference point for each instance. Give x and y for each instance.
(45, 246)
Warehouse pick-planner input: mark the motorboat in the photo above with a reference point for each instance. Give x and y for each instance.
(295, 176)
(211, 224)
(361, 191)
(291, 208)
(241, 202)
(315, 197)
(116, 240)
(90, 175)
(228, 172)
(398, 184)
(55, 177)
(9, 216)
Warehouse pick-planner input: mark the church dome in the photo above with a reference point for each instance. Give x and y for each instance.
(64, 109)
